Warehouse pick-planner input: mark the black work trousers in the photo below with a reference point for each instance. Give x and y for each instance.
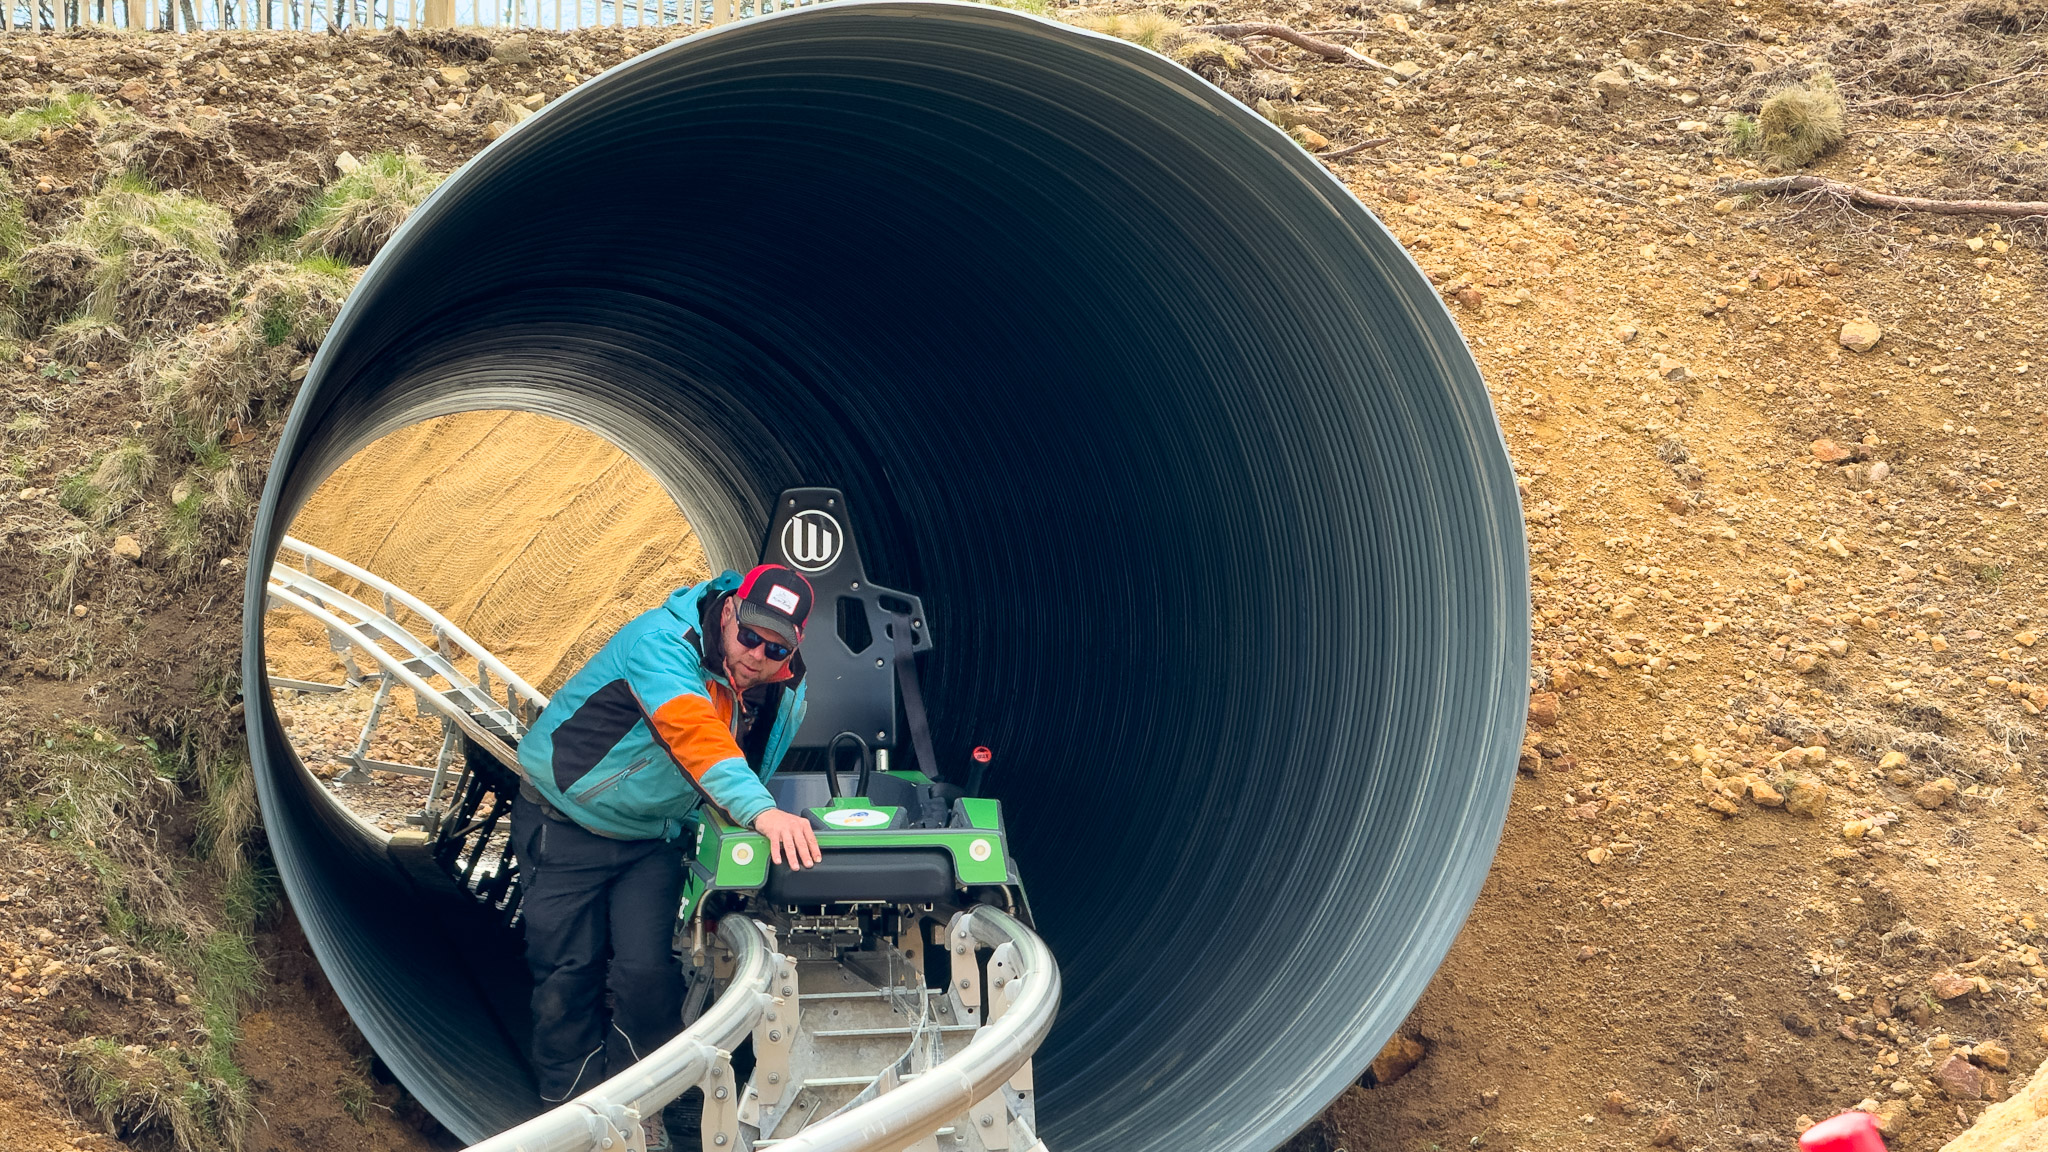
(600, 916)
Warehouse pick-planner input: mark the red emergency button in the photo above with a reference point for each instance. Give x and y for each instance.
(983, 755)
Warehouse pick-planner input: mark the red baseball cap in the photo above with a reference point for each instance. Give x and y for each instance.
(775, 598)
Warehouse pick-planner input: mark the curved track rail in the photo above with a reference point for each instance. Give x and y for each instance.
(1185, 457)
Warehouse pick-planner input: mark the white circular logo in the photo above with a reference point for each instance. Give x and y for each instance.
(979, 850)
(743, 854)
(812, 541)
(856, 818)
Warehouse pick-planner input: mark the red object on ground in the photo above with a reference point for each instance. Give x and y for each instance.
(1849, 1132)
(984, 755)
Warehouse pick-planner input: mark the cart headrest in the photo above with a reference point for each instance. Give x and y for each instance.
(850, 646)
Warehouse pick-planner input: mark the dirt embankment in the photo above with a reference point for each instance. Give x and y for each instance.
(1777, 849)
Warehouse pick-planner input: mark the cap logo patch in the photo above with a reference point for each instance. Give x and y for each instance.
(782, 599)
(812, 541)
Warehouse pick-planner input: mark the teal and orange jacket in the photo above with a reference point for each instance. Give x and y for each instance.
(644, 731)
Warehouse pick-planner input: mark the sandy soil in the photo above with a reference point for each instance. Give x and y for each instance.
(1776, 851)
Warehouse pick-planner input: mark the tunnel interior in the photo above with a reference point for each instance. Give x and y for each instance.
(1197, 480)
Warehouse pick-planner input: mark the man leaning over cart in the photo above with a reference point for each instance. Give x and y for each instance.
(694, 701)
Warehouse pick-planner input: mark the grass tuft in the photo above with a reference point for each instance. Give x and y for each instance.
(1797, 125)
(88, 338)
(1202, 53)
(56, 112)
(125, 473)
(135, 257)
(1741, 131)
(168, 1096)
(129, 213)
(356, 214)
(241, 370)
(14, 230)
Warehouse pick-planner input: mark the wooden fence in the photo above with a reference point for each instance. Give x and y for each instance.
(326, 15)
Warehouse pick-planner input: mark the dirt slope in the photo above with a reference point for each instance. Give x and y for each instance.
(1777, 849)
(536, 538)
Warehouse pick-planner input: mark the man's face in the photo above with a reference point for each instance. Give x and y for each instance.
(744, 666)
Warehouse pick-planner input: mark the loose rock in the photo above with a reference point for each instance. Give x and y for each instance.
(1611, 87)
(1954, 986)
(127, 548)
(1829, 452)
(1960, 1079)
(513, 50)
(1804, 794)
(1991, 1054)
(1935, 793)
(1400, 1057)
(1543, 709)
(1860, 335)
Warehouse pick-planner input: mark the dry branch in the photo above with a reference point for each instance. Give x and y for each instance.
(1852, 194)
(1323, 48)
(1348, 149)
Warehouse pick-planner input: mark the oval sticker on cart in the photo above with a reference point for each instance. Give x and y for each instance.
(857, 818)
(979, 850)
(743, 854)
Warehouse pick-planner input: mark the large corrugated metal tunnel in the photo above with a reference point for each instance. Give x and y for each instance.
(1199, 484)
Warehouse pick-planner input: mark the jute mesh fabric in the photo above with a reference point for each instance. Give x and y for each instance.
(535, 537)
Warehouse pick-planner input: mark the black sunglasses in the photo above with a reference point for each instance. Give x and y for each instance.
(750, 639)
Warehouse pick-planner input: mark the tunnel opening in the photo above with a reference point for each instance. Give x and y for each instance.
(1193, 473)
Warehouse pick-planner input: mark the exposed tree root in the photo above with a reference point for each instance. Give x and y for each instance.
(1850, 193)
(1307, 43)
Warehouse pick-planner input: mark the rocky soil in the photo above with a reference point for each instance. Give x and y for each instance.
(1777, 846)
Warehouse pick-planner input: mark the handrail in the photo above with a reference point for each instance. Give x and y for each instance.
(918, 1108)
(667, 1072)
(441, 623)
(394, 667)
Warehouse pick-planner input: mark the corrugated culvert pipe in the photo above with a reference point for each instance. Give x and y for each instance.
(1193, 472)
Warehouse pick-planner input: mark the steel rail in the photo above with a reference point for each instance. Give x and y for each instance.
(425, 611)
(589, 1120)
(426, 693)
(370, 620)
(892, 1121)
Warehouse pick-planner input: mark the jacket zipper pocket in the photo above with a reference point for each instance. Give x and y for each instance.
(584, 796)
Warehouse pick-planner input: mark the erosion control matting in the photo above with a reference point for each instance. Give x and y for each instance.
(1199, 485)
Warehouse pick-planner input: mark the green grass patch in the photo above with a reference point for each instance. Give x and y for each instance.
(353, 217)
(78, 495)
(56, 112)
(1741, 132)
(170, 1095)
(123, 474)
(130, 213)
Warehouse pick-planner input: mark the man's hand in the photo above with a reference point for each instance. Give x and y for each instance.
(789, 838)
